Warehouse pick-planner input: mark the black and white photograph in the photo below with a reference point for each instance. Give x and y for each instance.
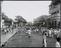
(30, 23)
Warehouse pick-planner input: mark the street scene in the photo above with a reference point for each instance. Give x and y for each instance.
(30, 24)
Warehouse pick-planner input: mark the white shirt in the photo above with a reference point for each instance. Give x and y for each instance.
(49, 31)
(57, 44)
(29, 31)
(45, 41)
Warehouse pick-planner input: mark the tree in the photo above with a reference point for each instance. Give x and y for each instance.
(46, 21)
(20, 20)
(41, 21)
(7, 21)
(4, 16)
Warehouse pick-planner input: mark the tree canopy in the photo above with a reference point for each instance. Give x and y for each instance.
(20, 19)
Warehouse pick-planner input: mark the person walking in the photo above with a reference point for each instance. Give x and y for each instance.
(44, 40)
(58, 42)
(29, 32)
(49, 33)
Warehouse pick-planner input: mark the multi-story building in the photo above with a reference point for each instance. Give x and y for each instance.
(54, 11)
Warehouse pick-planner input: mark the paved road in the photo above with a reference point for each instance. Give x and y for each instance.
(21, 40)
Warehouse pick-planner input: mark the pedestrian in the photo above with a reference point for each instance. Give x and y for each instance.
(29, 32)
(58, 42)
(44, 40)
(49, 33)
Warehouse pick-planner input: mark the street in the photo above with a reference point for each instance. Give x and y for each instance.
(21, 40)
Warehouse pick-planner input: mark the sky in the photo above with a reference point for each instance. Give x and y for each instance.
(29, 10)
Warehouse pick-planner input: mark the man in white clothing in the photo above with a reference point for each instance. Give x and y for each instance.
(29, 32)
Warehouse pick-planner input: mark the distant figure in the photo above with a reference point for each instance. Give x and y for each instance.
(44, 40)
(58, 42)
(49, 33)
(29, 32)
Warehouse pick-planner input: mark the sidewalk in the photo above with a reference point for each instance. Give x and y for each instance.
(5, 37)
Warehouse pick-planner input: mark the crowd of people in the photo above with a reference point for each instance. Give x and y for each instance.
(52, 33)
(7, 29)
(47, 33)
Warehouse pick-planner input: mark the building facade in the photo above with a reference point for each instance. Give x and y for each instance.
(54, 11)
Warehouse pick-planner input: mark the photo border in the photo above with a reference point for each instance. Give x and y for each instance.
(24, 0)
